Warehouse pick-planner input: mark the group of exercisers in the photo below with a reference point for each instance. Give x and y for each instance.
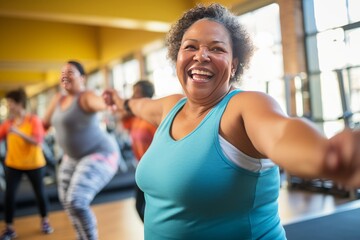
(210, 166)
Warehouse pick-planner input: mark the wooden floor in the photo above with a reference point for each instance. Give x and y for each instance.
(118, 220)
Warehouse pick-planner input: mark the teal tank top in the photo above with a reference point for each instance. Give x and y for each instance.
(193, 192)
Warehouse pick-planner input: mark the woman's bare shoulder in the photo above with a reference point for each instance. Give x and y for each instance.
(250, 98)
(171, 100)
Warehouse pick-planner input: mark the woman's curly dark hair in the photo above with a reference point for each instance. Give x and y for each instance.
(19, 96)
(242, 44)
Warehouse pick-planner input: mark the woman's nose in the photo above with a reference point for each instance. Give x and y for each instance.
(202, 55)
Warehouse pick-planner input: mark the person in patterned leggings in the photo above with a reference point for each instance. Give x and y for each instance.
(90, 155)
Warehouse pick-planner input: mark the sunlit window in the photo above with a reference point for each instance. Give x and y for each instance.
(333, 50)
(161, 72)
(38, 104)
(266, 70)
(3, 109)
(125, 75)
(354, 13)
(330, 14)
(330, 94)
(354, 101)
(353, 48)
(96, 82)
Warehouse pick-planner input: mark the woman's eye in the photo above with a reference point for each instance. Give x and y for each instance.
(189, 47)
(217, 49)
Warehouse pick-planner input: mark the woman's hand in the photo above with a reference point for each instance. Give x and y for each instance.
(108, 97)
(112, 99)
(343, 158)
(13, 129)
(29, 139)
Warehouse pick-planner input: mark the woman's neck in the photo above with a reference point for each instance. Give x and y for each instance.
(75, 92)
(18, 118)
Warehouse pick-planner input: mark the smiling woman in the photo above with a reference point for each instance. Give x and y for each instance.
(212, 46)
(23, 133)
(91, 156)
(212, 171)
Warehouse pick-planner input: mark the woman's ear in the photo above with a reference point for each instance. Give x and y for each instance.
(83, 80)
(234, 66)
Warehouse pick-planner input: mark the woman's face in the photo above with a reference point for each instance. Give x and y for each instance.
(14, 108)
(71, 80)
(205, 61)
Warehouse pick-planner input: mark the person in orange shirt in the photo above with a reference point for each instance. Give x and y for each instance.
(141, 134)
(24, 134)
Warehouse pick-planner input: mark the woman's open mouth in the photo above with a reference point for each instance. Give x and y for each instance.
(200, 75)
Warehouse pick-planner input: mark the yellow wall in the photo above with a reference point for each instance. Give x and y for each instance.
(32, 40)
(160, 10)
(115, 43)
(38, 36)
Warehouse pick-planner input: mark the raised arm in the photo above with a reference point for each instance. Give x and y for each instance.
(50, 110)
(296, 145)
(152, 110)
(292, 143)
(90, 102)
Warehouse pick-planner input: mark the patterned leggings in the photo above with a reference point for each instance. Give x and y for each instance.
(79, 180)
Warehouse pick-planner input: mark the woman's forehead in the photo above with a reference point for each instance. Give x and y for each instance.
(206, 28)
(69, 68)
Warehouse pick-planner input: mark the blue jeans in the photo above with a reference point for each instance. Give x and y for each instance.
(79, 180)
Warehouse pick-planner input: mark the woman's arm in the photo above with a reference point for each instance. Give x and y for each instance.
(50, 110)
(37, 135)
(4, 129)
(90, 102)
(296, 145)
(27, 138)
(152, 110)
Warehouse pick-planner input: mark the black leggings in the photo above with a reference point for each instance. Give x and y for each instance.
(13, 178)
